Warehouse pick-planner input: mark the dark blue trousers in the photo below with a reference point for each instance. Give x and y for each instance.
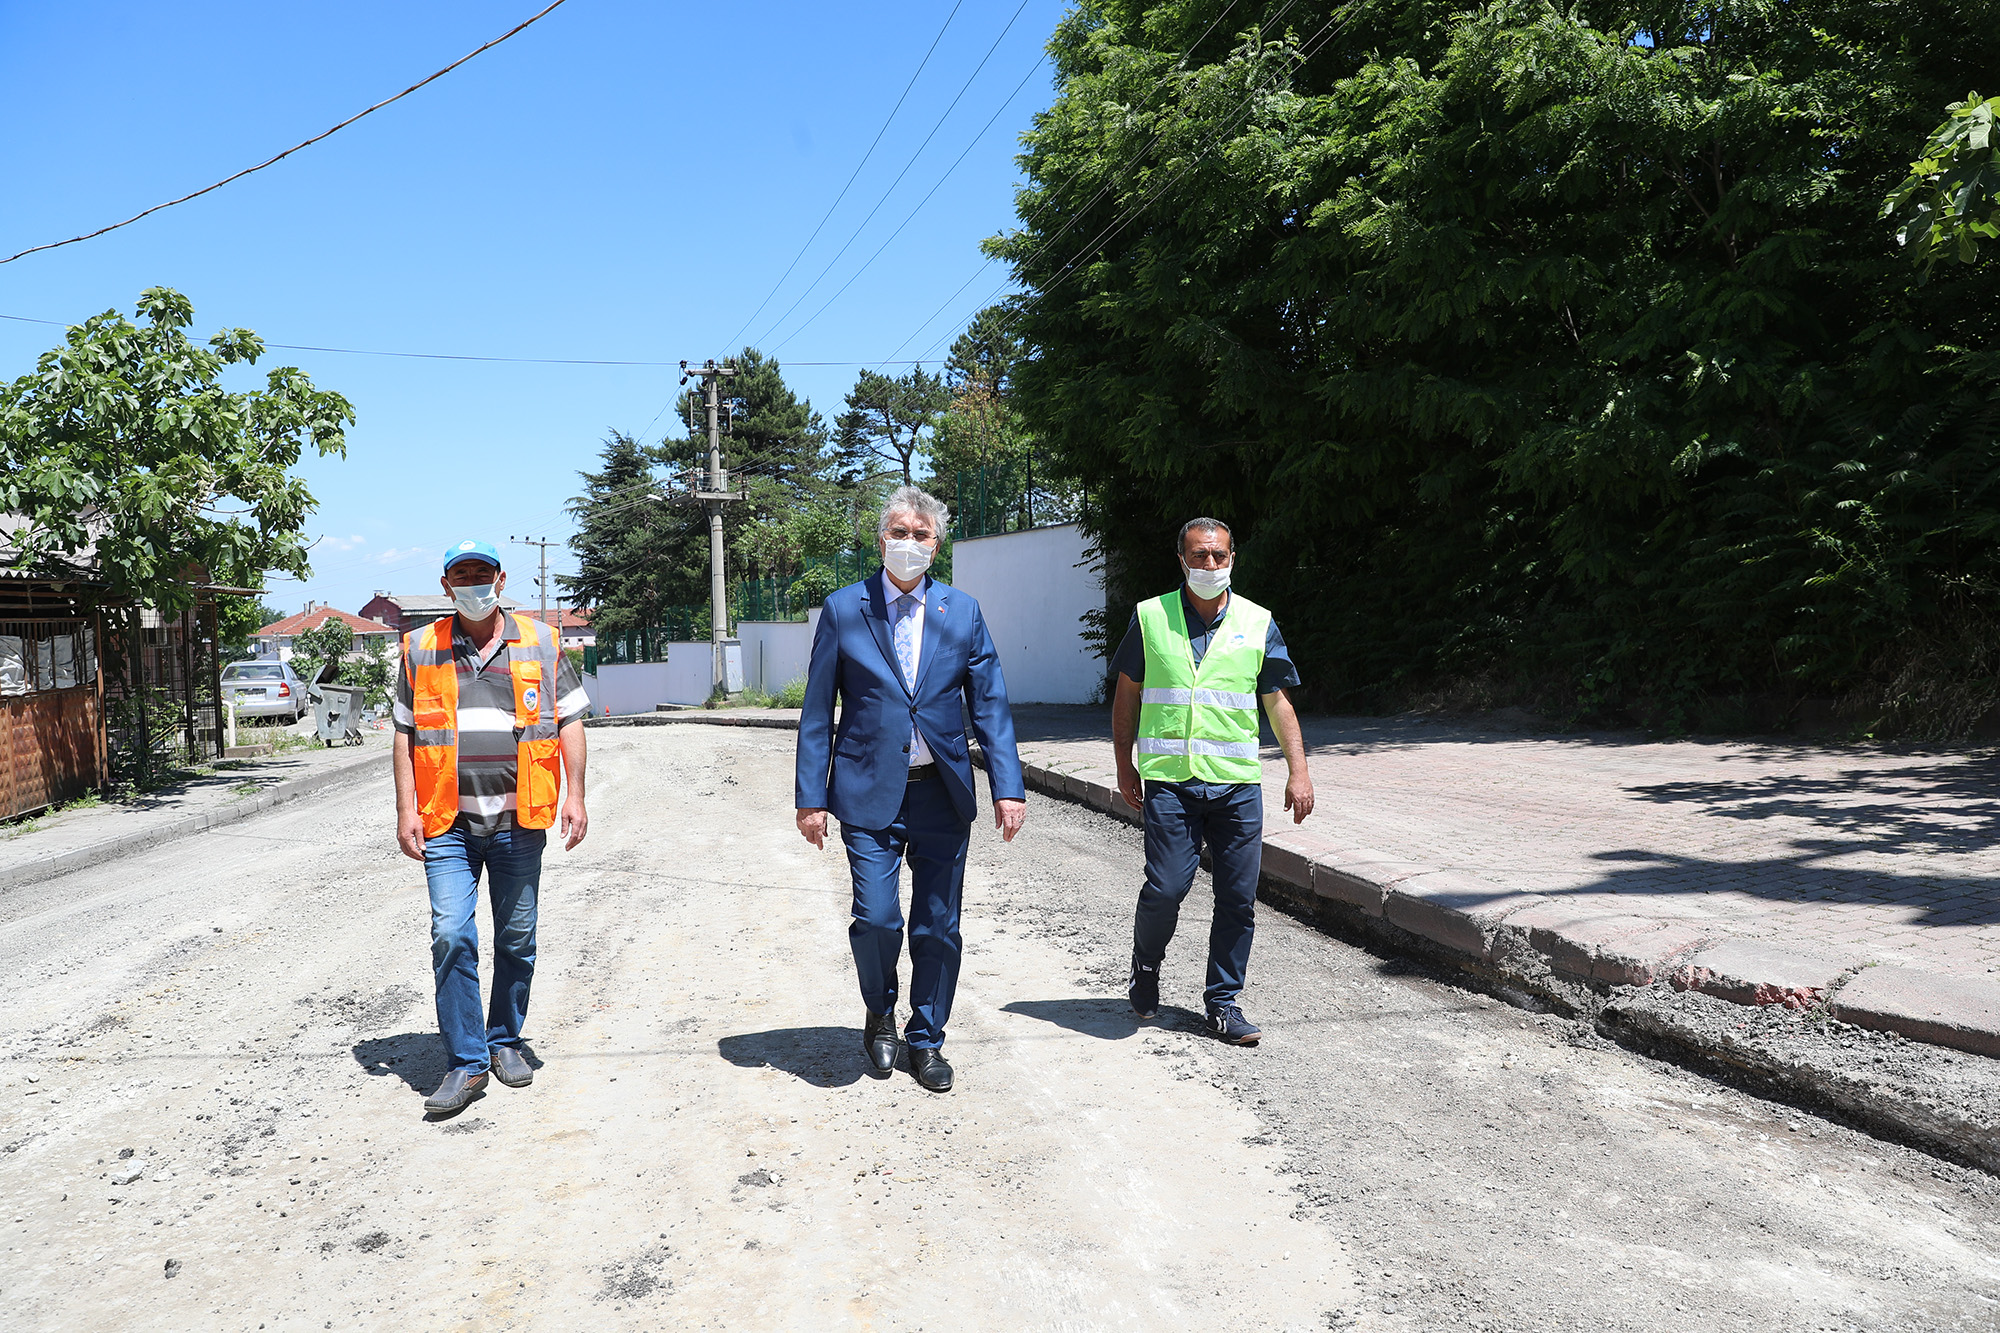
(929, 832)
(1180, 818)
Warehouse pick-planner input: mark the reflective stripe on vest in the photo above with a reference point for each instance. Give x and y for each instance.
(532, 660)
(1200, 722)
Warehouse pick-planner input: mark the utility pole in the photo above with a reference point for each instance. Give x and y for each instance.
(543, 581)
(713, 499)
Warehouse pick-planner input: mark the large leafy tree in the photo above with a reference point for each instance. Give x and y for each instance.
(123, 452)
(1545, 342)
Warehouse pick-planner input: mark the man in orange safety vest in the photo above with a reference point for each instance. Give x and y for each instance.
(489, 716)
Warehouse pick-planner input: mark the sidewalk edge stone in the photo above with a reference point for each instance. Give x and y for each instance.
(1960, 1012)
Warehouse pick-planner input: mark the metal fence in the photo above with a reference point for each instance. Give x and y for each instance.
(1011, 496)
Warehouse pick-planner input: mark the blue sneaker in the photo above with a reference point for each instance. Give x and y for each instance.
(1144, 989)
(1227, 1022)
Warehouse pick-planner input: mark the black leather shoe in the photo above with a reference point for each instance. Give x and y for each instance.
(510, 1066)
(457, 1092)
(931, 1070)
(878, 1038)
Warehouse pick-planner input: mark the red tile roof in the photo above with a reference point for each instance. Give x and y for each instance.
(306, 620)
(567, 618)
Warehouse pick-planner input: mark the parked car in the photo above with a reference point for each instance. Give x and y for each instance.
(264, 689)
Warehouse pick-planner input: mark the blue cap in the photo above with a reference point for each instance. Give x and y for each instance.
(471, 551)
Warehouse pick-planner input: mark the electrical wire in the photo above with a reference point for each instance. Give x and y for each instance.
(1049, 199)
(1132, 212)
(456, 356)
(295, 147)
(911, 217)
(851, 178)
(856, 234)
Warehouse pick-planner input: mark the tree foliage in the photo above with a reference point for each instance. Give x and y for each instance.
(629, 547)
(330, 641)
(1527, 340)
(637, 558)
(888, 424)
(1950, 201)
(124, 451)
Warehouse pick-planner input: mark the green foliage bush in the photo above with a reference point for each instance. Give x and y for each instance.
(1555, 346)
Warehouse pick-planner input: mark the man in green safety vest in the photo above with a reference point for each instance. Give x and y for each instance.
(1191, 672)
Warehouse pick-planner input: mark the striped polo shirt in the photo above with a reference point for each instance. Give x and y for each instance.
(488, 760)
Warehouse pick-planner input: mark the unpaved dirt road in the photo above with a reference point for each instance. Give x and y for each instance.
(248, 1013)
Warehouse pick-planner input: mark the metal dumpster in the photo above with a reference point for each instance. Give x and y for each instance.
(336, 712)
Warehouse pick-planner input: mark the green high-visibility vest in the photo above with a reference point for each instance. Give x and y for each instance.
(1200, 723)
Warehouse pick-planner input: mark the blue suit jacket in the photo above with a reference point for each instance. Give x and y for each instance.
(860, 769)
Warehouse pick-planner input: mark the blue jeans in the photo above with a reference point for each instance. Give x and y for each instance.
(512, 858)
(930, 833)
(1180, 818)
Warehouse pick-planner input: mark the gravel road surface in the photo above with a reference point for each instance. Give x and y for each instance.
(215, 1056)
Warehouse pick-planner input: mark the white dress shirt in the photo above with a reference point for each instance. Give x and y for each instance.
(920, 753)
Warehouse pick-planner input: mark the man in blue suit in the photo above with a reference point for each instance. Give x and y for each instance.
(901, 651)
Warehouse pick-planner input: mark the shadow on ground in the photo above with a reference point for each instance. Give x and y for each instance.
(417, 1058)
(826, 1057)
(1106, 1019)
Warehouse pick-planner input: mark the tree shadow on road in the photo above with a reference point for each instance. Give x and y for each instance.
(826, 1057)
(417, 1058)
(1107, 1020)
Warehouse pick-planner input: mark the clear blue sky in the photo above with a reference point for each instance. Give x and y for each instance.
(622, 181)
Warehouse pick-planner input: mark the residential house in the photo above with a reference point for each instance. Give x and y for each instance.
(275, 639)
(403, 612)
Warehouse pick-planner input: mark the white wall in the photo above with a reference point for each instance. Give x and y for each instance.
(775, 652)
(1033, 593)
(639, 687)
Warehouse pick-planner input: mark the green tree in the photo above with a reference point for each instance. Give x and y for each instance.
(241, 618)
(1552, 345)
(124, 451)
(1950, 201)
(312, 650)
(630, 548)
(888, 424)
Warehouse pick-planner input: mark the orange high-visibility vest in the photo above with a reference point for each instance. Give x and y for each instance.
(434, 704)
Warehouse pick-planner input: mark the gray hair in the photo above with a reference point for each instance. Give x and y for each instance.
(1202, 525)
(910, 500)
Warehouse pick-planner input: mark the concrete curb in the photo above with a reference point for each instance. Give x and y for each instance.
(1546, 947)
(713, 719)
(111, 849)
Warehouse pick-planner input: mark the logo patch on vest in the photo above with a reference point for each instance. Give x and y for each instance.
(531, 697)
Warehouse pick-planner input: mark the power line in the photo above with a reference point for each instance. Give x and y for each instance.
(295, 147)
(918, 209)
(856, 234)
(850, 180)
(1049, 199)
(458, 356)
(1132, 212)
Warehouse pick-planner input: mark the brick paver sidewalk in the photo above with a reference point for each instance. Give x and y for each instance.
(1887, 852)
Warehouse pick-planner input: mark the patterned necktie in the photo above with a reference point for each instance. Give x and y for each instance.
(906, 637)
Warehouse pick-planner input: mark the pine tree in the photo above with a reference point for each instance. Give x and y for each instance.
(629, 547)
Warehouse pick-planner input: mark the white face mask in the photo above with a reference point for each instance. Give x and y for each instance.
(476, 601)
(1207, 583)
(906, 559)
